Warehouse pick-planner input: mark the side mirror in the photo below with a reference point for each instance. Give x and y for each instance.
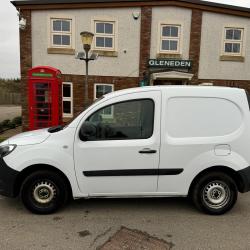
(87, 130)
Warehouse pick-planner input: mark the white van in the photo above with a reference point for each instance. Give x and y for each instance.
(159, 141)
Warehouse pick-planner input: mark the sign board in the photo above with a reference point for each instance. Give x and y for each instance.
(42, 74)
(170, 63)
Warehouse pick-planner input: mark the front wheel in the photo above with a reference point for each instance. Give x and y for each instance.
(215, 193)
(44, 192)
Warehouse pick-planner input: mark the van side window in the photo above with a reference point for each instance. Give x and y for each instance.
(128, 120)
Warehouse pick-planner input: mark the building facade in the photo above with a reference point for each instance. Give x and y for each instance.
(152, 42)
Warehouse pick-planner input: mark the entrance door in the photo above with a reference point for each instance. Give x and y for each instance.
(122, 157)
(168, 82)
(40, 105)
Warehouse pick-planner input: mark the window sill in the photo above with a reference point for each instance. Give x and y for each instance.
(168, 55)
(106, 53)
(67, 119)
(63, 51)
(232, 58)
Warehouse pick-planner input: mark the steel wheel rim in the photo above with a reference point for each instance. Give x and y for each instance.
(44, 192)
(216, 194)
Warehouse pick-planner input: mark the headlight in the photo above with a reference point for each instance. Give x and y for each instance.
(6, 149)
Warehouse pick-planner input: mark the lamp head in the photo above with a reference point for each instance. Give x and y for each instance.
(87, 38)
(22, 24)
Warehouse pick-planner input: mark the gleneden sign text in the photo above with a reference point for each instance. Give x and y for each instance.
(170, 63)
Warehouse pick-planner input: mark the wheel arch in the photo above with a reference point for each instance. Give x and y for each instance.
(37, 167)
(224, 169)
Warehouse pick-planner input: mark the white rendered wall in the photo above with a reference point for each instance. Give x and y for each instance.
(128, 38)
(211, 67)
(171, 15)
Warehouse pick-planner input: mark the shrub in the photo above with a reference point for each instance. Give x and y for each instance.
(17, 120)
(11, 125)
(6, 123)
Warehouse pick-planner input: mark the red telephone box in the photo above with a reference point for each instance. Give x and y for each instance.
(45, 97)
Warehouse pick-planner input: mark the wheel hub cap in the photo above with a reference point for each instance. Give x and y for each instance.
(44, 192)
(216, 194)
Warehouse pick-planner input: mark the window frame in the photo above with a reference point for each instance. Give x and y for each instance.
(168, 38)
(51, 32)
(102, 84)
(233, 41)
(119, 102)
(95, 98)
(69, 99)
(105, 35)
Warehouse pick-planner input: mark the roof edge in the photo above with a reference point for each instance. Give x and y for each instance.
(35, 4)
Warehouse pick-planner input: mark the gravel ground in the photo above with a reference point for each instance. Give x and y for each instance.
(9, 112)
(88, 224)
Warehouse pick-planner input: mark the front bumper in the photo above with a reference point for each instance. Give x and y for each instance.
(244, 180)
(8, 178)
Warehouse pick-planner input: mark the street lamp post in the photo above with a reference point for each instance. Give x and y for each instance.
(87, 38)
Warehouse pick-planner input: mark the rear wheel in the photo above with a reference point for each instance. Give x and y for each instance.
(214, 193)
(44, 192)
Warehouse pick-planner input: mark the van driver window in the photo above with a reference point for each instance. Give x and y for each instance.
(130, 120)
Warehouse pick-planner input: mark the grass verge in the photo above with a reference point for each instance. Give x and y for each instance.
(2, 139)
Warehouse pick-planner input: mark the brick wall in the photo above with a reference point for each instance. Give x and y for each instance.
(145, 39)
(78, 86)
(26, 64)
(195, 42)
(229, 83)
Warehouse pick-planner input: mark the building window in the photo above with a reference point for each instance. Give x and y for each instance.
(104, 35)
(103, 89)
(67, 93)
(170, 38)
(233, 41)
(61, 33)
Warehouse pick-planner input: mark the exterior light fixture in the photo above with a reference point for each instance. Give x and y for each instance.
(87, 39)
(22, 24)
(22, 21)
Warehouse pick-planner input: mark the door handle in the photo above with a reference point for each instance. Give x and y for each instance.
(147, 151)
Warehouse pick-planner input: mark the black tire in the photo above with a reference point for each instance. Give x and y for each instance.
(44, 192)
(214, 193)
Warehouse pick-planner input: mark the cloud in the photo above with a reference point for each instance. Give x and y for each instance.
(9, 41)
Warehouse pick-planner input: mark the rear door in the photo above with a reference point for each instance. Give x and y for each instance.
(123, 157)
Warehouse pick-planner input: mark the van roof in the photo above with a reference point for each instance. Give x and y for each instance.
(201, 89)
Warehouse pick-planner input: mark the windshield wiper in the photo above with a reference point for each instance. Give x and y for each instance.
(55, 129)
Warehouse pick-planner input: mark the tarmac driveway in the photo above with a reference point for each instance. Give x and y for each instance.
(88, 224)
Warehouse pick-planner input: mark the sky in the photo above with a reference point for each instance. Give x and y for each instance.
(9, 37)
